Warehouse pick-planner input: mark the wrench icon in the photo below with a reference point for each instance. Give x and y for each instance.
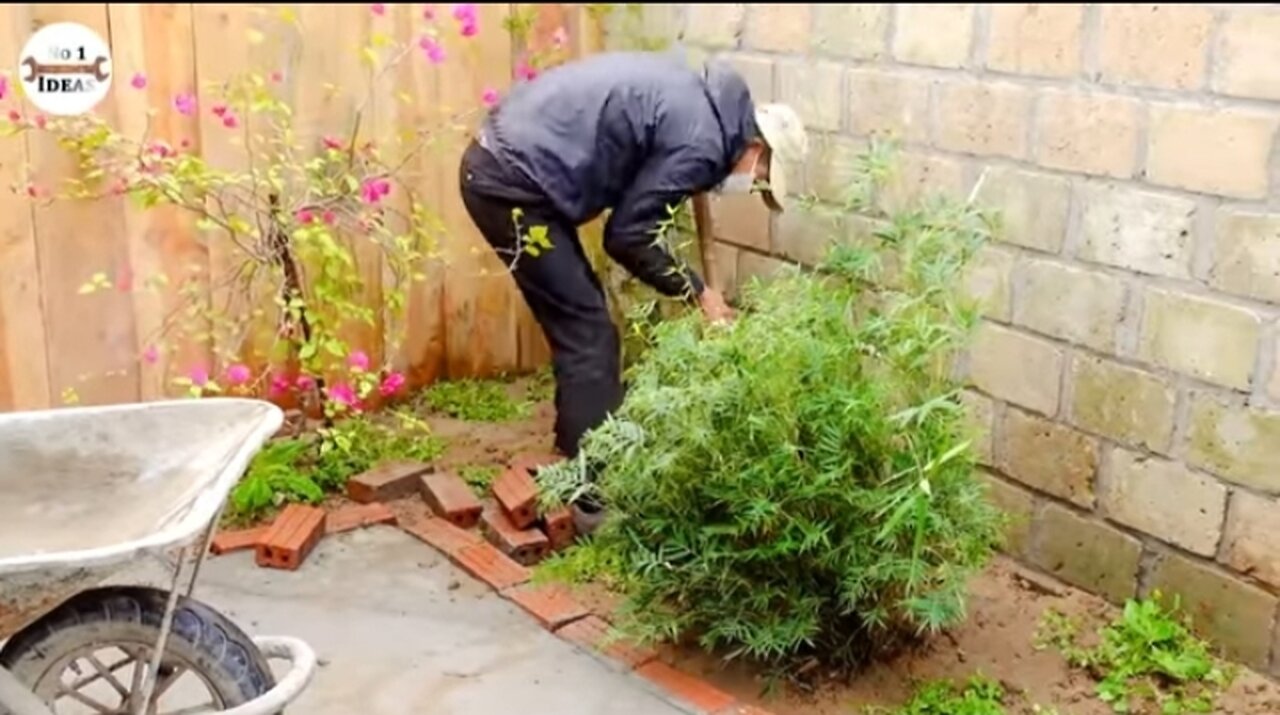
(37, 69)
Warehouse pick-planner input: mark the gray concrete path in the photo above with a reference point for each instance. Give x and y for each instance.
(401, 631)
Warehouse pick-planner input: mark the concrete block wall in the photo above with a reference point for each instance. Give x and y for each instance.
(1126, 373)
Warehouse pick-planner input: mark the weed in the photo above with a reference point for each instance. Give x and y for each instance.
(474, 401)
(979, 696)
(304, 469)
(541, 386)
(479, 476)
(1148, 654)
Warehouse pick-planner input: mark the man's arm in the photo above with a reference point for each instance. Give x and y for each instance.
(632, 236)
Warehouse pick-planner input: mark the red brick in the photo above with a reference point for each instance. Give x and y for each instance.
(358, 516)
(593, 632)
(450, 498)
(524, 546)
(443, 536)
(691, 689)
(739, 709)
(291, 537)
(518, 494)
(558, 526)
(531, 461)
(386, 481)
(551, 604)
(227, 541)
(492, 566)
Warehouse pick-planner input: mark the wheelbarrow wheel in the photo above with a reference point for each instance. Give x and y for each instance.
(89, 656)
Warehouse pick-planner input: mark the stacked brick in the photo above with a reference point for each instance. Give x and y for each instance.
(1126, 378)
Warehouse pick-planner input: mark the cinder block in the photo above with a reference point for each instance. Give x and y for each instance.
(451, 499)
(918, 177)
(1246, 254)
(1032, 207)
(1087, 553)
(1016, 367)
(716, 25)
(778, 27)
(984, 118)
(1162, 45)
(1142, 231)
(291, 537)
(1088, 133)
(889, 104)
(1252, 542)
(1074, 304)
(1048, 456)
(937, 34)
(387, 482)
(981, 413)
(1018, 504)
(853, 31)
(1036, 39)
(1122, 403)
(1248, 63)
(987, 281)
(1214, 151)
(1237, 616)
(1238, 443)
(1205, 338)
(814, 89)
(1166, 500)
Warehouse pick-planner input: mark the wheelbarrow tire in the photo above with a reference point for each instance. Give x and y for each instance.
(202, 639)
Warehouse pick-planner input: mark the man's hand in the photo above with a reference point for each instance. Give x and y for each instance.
(714, 307)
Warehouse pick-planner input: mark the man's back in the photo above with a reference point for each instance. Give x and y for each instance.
(584, 132)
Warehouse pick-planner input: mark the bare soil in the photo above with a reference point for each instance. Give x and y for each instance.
(1006, 606)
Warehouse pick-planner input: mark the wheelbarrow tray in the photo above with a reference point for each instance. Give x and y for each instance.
(85, 491)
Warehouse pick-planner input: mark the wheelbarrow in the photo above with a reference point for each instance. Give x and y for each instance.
(87, 492)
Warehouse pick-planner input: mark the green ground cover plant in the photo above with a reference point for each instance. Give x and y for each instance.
(799, 483)
(1147, 660)
(474, 401)
(978, 696)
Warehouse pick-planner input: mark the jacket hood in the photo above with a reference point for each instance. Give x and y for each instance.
(734, 108)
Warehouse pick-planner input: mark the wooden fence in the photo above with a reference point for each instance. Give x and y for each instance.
(466, 319)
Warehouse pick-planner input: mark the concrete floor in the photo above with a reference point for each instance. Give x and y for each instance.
(399, 631)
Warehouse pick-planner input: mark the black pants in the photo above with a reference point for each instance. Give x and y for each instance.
(560, 288)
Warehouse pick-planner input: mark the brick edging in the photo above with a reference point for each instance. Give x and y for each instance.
(563, 615)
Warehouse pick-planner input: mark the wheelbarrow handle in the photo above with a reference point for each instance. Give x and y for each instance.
(17, 698)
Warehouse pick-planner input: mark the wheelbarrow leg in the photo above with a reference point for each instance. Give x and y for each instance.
(17, 698)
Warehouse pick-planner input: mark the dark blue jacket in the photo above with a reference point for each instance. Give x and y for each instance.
(632, 132)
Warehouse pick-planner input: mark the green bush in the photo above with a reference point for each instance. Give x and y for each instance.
(800, 482)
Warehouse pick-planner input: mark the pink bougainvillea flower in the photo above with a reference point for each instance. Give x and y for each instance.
(4, 86)
(560, 37)
(139, 80)
(151, 355)
(378, 9)
(124, 279)
(332, 142)
(120, 187)
(490, 97)
(230, 121)
(219, 109)
(330, 217)
(14, 116)
(238, 374)
(432, 49)
(305, 382)
(304, 216)
(525, 71)
(280, 384)
(33, 191)
(391, 384)
(277, 76)
(428, 13)
(198, 375)
(358, 360)
(185, 104)
(374, 190)
(464, 11)
(161, 148)
(343, 394)
(41, 121)
(470, 29)
(186, 144)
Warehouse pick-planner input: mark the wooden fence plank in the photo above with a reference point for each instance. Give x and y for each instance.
(155, 40)
(92, 336)
(24, 367)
